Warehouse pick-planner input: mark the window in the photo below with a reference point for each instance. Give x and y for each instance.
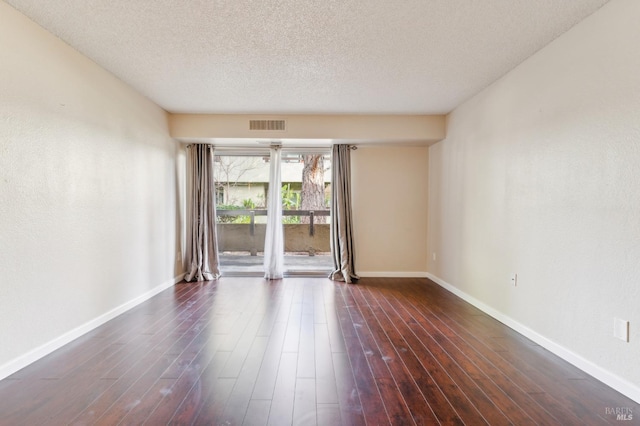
(219, 195)
(242, 182)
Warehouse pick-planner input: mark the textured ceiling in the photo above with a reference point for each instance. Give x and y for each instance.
(314, 57)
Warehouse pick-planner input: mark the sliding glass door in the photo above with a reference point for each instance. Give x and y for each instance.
(242, 183)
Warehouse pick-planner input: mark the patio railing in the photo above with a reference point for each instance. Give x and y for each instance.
(309, 237)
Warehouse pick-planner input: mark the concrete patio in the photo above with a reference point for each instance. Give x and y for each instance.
(243, 263)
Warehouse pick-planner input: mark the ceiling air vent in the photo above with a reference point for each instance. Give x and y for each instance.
(267, 125)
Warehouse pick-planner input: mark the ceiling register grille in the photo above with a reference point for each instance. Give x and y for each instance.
(267, 125)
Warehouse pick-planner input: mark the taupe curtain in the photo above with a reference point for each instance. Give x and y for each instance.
(201, 253)
(342, 244)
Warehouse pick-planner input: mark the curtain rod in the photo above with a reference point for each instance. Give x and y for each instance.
(224, 148)
(266, 147)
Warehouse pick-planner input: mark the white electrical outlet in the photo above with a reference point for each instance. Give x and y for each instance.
(434, 255)
(514, 279)
(621, 329)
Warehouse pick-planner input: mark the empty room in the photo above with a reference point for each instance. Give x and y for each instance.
(319, 213)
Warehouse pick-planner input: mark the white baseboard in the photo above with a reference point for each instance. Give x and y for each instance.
(24, 360)
(394, 274)
(618, 383)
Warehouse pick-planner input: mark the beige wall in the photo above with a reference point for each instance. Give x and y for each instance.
(390, 210)
(539, 176)
(398, 128)
(88, 193)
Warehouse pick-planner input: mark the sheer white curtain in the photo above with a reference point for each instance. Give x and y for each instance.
(274, 238)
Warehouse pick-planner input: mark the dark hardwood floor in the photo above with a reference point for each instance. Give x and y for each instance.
(306, 351)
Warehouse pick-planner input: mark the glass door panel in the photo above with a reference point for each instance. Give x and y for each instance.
(241, 190)
(242, 183)
(306, 197)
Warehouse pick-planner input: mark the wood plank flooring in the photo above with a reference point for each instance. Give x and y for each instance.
(306, 351)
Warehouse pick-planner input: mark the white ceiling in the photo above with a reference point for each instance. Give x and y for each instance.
(308, 56)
